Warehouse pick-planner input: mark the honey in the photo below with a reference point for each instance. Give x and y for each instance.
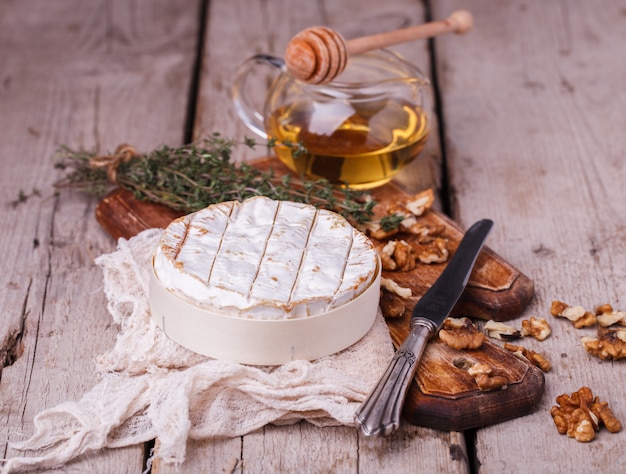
(361, 145)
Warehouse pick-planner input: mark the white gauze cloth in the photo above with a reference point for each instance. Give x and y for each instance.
(153, 388)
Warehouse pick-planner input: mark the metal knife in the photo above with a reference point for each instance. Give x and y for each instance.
(380, 413)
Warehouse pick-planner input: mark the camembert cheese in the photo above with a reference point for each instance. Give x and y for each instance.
(265, 260)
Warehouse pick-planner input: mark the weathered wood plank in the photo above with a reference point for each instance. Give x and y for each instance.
(411, 448)
(85, 74)
(235, 31)
(305, 448)
(221, 455)
(534, 111)
(301, 447)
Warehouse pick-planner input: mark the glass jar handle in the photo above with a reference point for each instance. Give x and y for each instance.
(244, 106)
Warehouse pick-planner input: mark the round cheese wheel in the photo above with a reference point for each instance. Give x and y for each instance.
(222, 273)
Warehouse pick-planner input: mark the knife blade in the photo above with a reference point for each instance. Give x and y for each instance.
(379, 414)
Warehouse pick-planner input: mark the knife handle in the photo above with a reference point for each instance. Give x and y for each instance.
(379, 414)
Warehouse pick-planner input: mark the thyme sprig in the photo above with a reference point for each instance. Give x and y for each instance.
(191, 177)
(391, 221)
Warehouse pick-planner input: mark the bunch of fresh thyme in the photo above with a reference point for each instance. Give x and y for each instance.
(191, 177)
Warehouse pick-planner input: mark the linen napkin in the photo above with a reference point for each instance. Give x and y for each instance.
(152, 388)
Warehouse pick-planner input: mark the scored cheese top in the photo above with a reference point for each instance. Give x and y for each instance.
(265, 259)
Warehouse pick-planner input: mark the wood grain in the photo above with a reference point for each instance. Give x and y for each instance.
(236, 29)
(84, 74)
(534, 112)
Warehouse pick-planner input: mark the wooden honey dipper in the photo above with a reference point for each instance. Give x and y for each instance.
(318, 54)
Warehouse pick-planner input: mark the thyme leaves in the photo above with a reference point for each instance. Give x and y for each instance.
(191, 177)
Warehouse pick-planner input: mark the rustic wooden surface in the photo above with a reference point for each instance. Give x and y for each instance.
(532, 116)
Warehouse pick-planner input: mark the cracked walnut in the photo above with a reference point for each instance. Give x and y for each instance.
(609, 345)
(576, 314)
(534, 357)
(581, 415)
(486, 378)
(460, 333)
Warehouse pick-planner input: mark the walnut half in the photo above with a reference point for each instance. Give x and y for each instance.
(486, 378)
(460, 333)
(581, 415)
(606, 316)
(501, 331)
(435, 252)
(538, 328)
(534, 357)
(576, 314)
(421, 202)
(609, 345)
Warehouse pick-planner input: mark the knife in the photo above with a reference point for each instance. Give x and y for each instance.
(379, 414)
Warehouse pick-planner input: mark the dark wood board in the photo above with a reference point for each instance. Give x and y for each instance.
(496, 290)
(446, 397)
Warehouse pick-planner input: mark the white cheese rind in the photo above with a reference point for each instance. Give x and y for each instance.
(265, 259)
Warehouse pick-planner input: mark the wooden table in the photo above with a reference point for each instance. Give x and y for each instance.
(532, 114)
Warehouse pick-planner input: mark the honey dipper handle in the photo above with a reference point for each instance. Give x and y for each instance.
(318, 54)
(459, 22)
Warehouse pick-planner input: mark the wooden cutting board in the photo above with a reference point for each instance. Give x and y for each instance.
(442, 395)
